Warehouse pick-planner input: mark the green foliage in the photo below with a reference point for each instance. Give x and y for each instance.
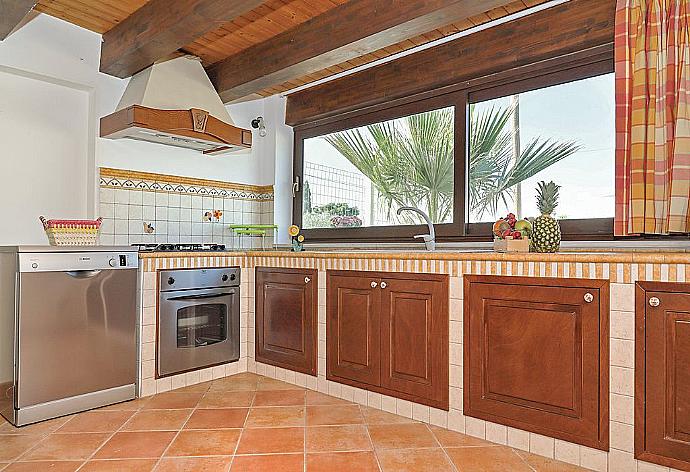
(410, 161)
(336, 209)
(306, 199)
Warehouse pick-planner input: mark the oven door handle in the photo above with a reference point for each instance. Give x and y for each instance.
(198, 297)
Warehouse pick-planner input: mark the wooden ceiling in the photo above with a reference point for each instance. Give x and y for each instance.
(266, 21)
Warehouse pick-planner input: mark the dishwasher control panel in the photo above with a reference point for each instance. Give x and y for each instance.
(76, 261)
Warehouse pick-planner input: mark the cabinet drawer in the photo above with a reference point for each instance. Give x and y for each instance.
(536, 355)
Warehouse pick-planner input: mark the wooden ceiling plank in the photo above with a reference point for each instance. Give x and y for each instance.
(342, 33)
(161, 27)
(12, 12)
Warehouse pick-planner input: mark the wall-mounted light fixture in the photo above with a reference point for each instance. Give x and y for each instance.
(258, 123)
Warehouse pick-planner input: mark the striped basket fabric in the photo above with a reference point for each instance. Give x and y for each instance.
(72, 232)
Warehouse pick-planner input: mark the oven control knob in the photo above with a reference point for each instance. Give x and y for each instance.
(34, 265)
(171, 280)
(233, 276)
(112, 262)
(224, 278)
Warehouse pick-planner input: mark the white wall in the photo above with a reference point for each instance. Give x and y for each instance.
(274, 152)
(44, 155)
(60, 57)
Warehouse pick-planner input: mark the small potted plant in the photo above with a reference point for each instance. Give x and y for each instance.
(511, 234)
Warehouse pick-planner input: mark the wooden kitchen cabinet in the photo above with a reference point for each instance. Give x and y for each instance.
(388, 332)
(536, 355)
(662, 374)
(286, 318)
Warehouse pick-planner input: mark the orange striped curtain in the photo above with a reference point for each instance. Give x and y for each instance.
(652, 117)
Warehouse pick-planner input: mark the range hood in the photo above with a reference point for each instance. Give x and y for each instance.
(174, 103)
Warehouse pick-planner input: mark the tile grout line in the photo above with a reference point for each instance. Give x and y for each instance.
(244, 426)
(178, 431)
(108, 438)
(371, 441)
(445, 453)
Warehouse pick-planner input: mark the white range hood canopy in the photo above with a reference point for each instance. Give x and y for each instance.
(175, 103)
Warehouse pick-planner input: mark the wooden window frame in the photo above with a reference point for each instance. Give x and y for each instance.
(555, 71)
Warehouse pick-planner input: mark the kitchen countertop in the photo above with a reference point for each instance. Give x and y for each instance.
(645, 256)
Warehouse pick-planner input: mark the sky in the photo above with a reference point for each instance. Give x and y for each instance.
(581, 111)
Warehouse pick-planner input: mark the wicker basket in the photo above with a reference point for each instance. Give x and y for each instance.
(72, 232)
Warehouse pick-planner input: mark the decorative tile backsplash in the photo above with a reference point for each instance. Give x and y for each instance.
(131, 203)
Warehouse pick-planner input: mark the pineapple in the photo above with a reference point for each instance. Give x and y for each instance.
(546, 232)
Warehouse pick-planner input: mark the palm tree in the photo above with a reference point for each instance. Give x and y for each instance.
(410, 161)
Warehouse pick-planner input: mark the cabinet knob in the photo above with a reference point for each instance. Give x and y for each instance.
(307, 280)
(654, 301)
(373, 284)
(384, 285)
(588, 297)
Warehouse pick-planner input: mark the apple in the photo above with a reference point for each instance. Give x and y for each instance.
(523, 226)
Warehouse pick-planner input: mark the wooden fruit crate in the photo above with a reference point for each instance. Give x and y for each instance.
(511, 245)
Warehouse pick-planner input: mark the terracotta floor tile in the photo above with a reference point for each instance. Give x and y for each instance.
(131, 405)
(135, 445)
(342, 461)
(272, 384)
(270, 462)
(487, 459)
(279, 398)
(318, 398)
(338, 438)
(96, 422)
(14, 445)
(42, 428)
(279, 416)
(120, 465)
(233, 384)
(449, 438)
(202, 387)
(334, 415)
(72, 446)
(173, 400)
(401, 436)
(544, 464)
(204, 443)
(52, 466)
(374, 416)
(217, 418)
(414, 460)
(226, 400)
(271, 440)
(196, 464)
(157, 420)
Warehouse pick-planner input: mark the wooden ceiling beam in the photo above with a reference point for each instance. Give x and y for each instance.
(561, 30)
(12, 12)
(348, 31)
(160, 28)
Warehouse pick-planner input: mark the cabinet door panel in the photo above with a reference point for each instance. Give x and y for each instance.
(663, 428)
(286, 318)
(536, 356)
(353, 329)
(414, 339)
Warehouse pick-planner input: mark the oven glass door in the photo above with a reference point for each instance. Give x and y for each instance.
(202, 325)
(198, 328)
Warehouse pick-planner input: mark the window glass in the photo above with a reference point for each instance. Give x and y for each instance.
(362, 176)
(564, 133)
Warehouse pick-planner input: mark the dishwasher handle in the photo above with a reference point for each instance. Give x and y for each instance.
(83, 274)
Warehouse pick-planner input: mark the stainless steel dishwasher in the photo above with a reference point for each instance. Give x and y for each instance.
(67, 329)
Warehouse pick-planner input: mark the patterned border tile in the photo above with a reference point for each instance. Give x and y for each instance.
(124, 179)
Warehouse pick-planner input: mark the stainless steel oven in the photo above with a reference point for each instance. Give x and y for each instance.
(199, 319)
